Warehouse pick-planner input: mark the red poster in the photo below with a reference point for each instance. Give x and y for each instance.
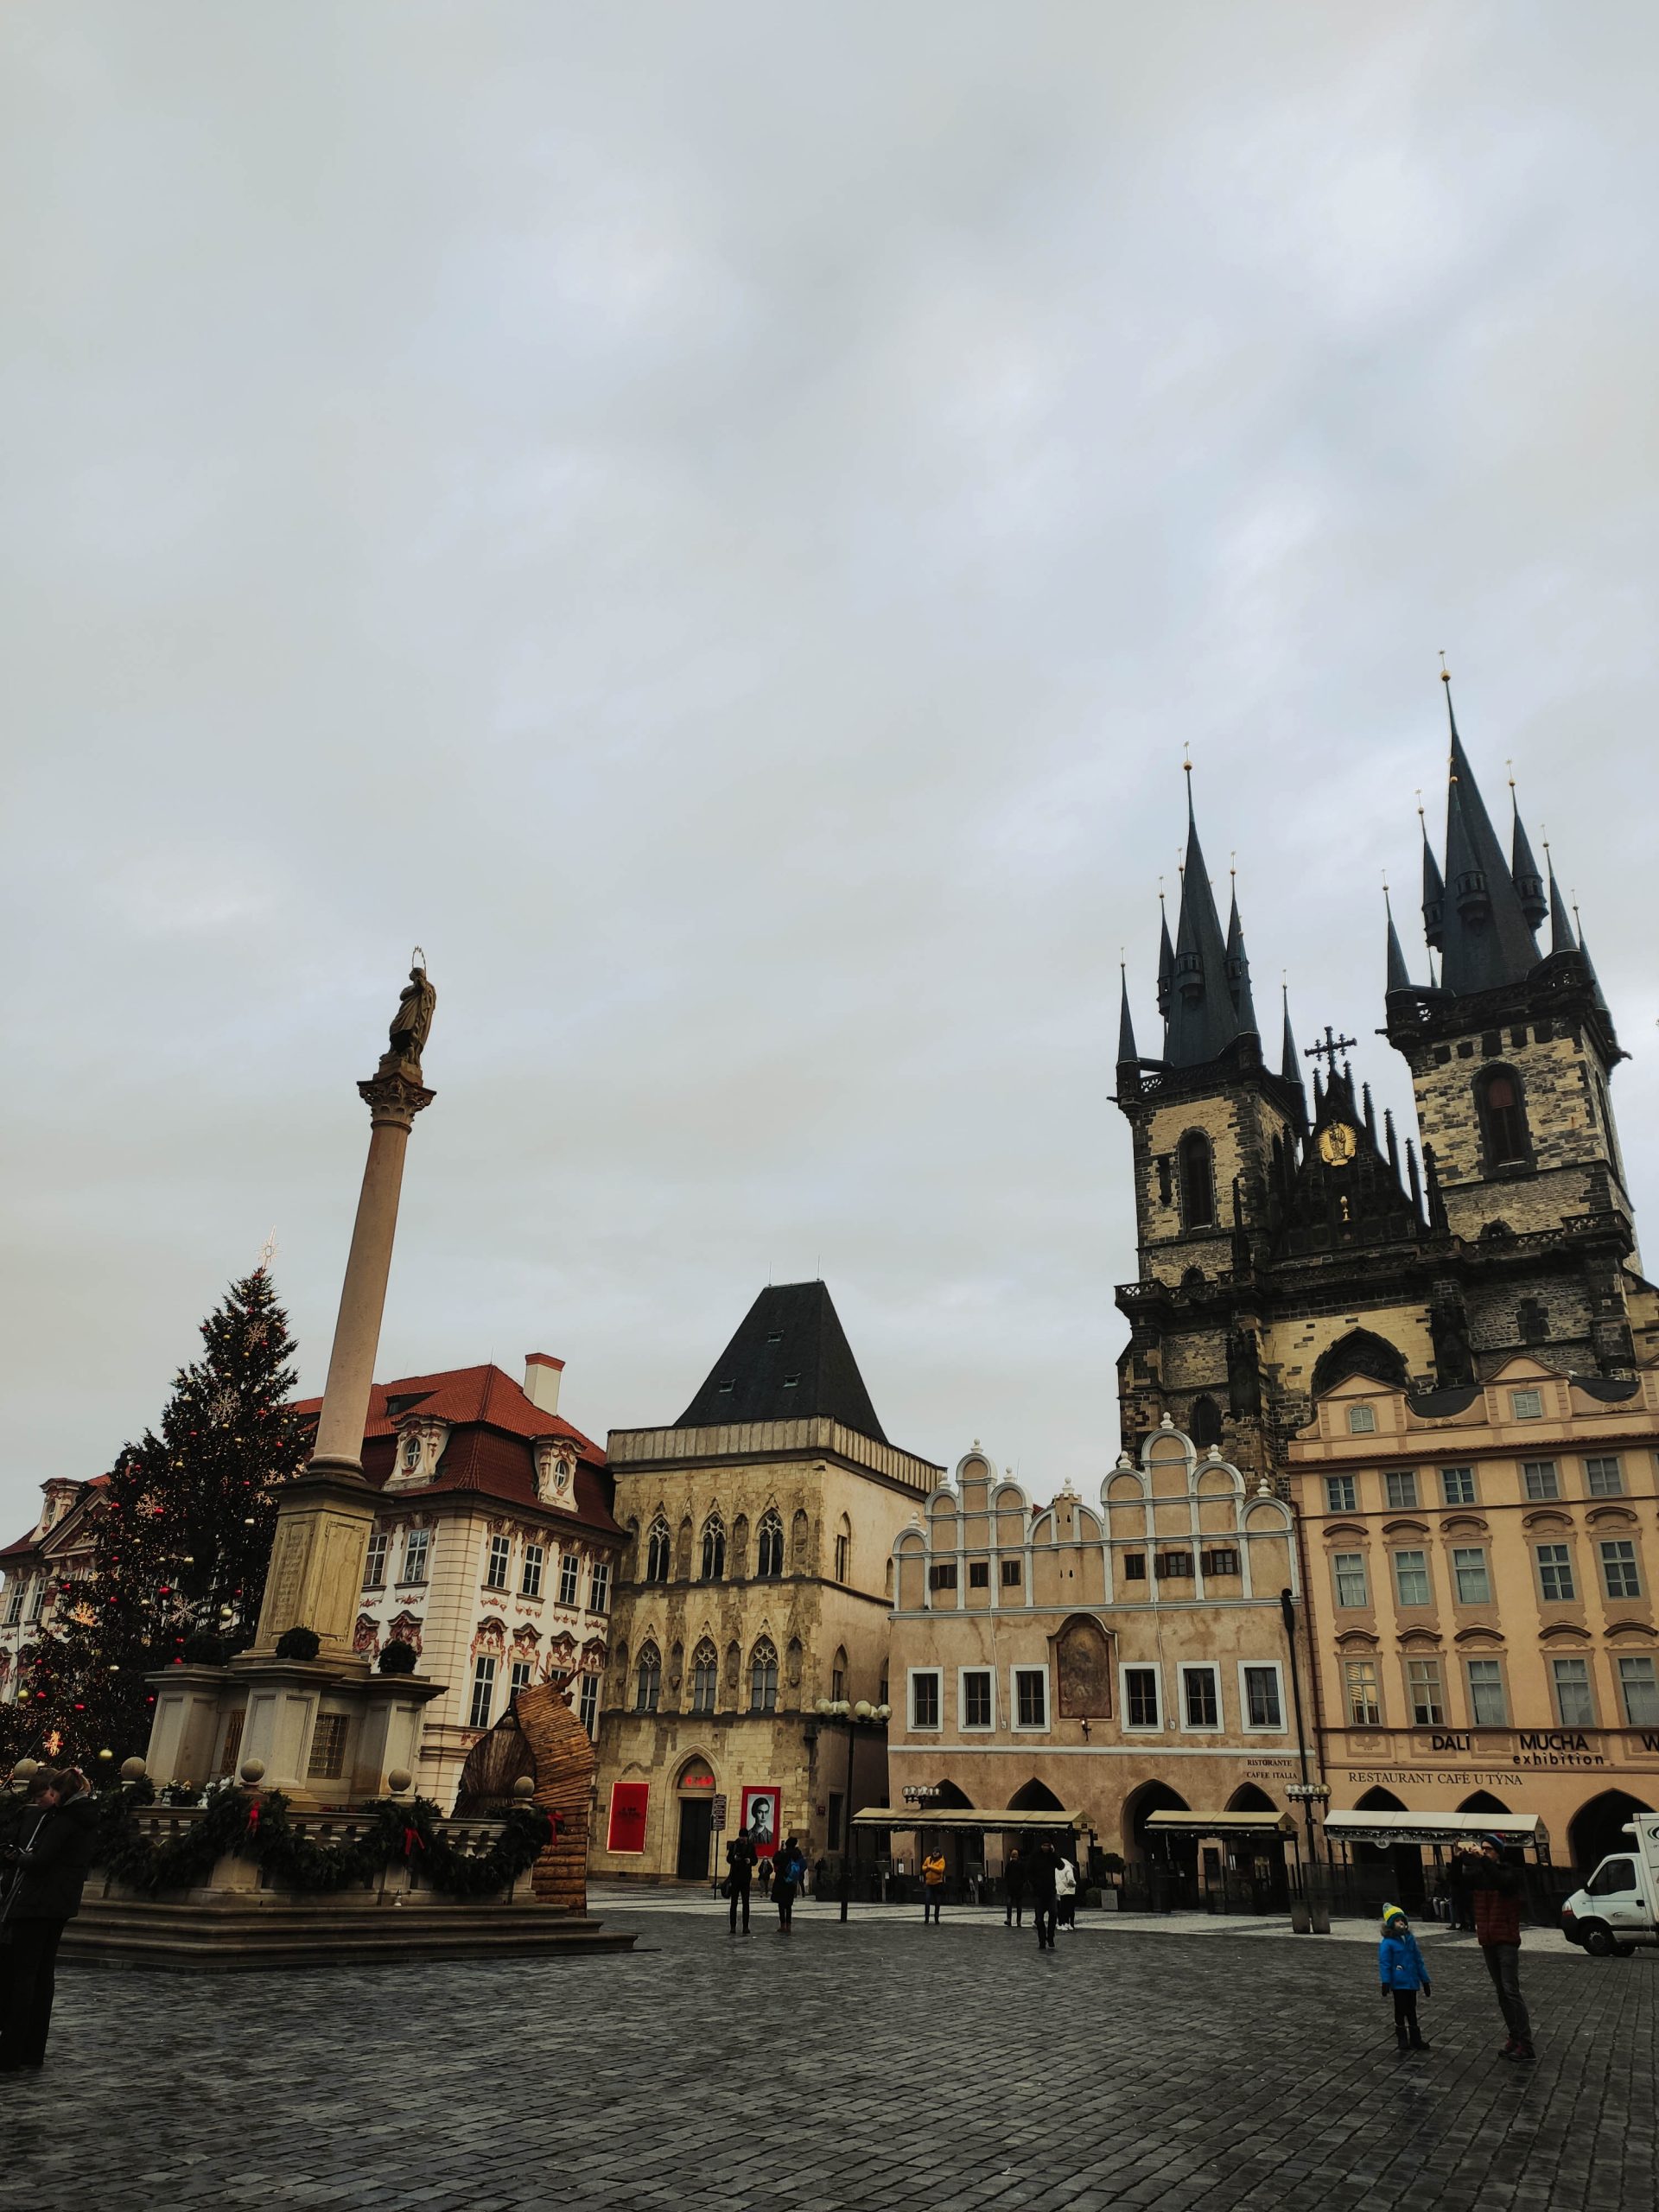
(762, 1818)
(627, 1828)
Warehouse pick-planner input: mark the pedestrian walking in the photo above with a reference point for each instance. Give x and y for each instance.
(59, 1837)
(1044, 1863)
(933, 1885)
(788, 1864)
(1066, 1895)
(1013, 1888)
(1401, 1969)
(767, 1874)
(1494, 1890)
(739, 1874)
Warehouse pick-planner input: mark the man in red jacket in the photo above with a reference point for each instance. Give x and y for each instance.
(1495, 1890)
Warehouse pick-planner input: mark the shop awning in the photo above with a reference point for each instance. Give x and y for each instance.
(1432, 1828)
(1220, 1824)
(959, 1817)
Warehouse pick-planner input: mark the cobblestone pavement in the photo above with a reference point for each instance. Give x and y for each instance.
(884, 2064)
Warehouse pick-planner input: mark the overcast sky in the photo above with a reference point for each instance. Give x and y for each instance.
(718, 522)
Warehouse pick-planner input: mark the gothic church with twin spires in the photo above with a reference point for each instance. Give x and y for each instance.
(1284, 1244)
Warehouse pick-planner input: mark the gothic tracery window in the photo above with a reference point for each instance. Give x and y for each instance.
(648, 1679)
(769, 1553)
(657, 1549)
(713, 1547)
(763, 1677)
(705, 1665)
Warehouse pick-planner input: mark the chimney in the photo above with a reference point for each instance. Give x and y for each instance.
(541, 1376)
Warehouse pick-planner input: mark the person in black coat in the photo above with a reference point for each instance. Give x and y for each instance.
(1014, 1885)
(739, 1864)
(1042, 1867)
(51, 1862)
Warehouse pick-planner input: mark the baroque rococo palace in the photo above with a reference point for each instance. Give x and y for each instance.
(1407, 1381)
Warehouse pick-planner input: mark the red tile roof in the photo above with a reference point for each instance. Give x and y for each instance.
(491, 1426)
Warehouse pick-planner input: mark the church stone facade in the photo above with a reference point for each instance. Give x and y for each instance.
(1285, 1242)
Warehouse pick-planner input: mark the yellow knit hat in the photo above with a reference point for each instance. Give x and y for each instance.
(1391, 1912)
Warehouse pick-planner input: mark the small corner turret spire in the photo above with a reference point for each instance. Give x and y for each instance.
(1238, 968)
(1128, 1055)
(1165, 955)
(1433, 887)
(1528, 882)
(1399, 973)
(1562, 938)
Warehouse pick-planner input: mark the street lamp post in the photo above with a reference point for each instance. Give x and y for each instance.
(862, 1715)
(1308, 1791)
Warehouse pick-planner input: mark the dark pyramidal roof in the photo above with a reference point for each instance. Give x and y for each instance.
(1206, 1001)
(789, 1361)
(1481, 916)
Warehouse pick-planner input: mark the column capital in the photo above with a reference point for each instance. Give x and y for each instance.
(395, 1094)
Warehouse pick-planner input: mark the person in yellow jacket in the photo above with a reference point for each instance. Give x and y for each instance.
(932, 1884)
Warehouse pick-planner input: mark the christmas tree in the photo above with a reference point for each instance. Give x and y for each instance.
(182, 1537)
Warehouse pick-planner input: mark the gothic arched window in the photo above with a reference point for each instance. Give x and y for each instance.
(1502, 1117)
(763, 1677)
(705, 1665)
(1197, 1181)
(1204, 1422)
(648, 1679)
(769, 1553)
(713, 1547)
(657, 1549)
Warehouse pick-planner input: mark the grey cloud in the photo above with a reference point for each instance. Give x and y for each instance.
(718, 523)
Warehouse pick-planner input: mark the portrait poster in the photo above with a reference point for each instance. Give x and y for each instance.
(762, 1816)
(626, 1831)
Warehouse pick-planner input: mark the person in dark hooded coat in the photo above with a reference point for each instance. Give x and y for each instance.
(50, 1866)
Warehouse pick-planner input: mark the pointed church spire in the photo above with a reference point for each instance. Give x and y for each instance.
(1562, 938)
(1126, 1052)
(1529, 883)
(1238, 970)
(1290, 1065)
(1487, 940)
(1399, 974)
(1203, 1021)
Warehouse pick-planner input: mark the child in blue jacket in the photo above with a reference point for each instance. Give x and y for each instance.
(1399, 1963)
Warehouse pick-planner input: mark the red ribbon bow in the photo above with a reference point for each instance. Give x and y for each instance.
(253, 1817)
(412, 1840)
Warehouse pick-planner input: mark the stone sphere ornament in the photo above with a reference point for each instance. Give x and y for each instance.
(525, 1786)
(399, 1780)
(252, 1771)
(133, 1770)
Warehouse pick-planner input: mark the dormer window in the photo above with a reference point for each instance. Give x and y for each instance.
(1362, 1421)
(556, 1472)
(411, 1452)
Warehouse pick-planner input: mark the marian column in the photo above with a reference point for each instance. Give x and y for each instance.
(325, 1515)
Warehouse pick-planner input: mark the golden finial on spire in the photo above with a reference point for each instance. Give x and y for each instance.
(1445, 673)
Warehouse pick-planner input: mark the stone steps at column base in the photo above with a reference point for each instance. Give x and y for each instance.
(141, 1932)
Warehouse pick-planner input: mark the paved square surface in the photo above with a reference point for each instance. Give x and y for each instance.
(884, 2064)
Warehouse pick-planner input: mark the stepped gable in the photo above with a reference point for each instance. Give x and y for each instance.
(790, 1360)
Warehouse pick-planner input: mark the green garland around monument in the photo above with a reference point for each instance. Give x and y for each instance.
(235, 1822)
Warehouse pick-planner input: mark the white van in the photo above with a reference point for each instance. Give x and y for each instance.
(1618, 1906)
